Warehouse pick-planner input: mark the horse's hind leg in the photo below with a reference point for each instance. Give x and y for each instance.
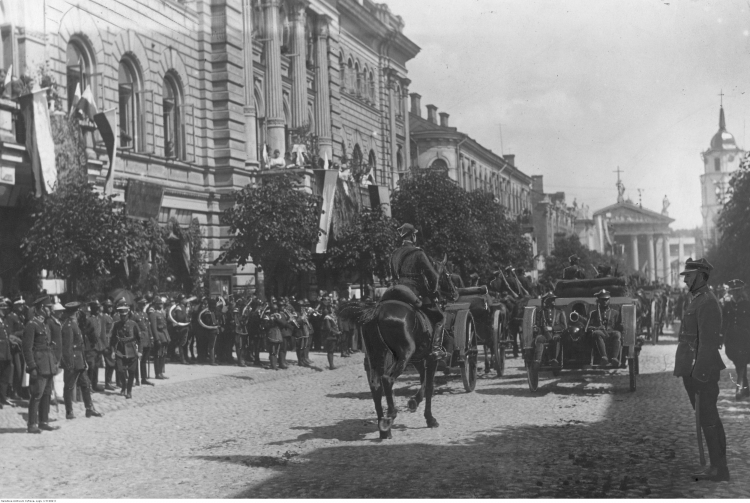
(377, 397)
(430, 387)
(419, 396)
(385, 423)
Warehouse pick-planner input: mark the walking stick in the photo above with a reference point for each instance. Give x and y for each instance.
(698, 428)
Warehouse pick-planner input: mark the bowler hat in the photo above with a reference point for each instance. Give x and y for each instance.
(697, 265)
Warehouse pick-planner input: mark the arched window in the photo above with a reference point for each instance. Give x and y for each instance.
(439, 164)
(350, 76)
(342, 72)
(358, 83)
(400, 159)
(371, 87)
(129, 86)
(173, 110)
(372, 164)
(80, 69)
(357, 156)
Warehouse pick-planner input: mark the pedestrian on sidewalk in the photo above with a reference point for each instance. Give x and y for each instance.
(74, 364)
(40, 364)
(699, 364)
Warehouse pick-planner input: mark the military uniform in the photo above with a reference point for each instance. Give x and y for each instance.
(93, 345)
(735, 329)
(331, 336)
(699, 364)
(42, 365)
(7, 340)
(604, 327)
(124, 343)
(16, 322)
(106, 334)
(177, 331)
(158, 323)
(207, 336)
(549, 323)
(271, 322)
(302, 333)
(254, 331)
(146, 341)
(74, 364)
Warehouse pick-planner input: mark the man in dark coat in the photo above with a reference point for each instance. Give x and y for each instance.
(735, 329)
(699, 363)
(548, 327)
(7, 340)
(124, 347)
(74, 364)
(605, 328)
(573, 271)
(93, 343)
(412, 268)
(16, 322)
(108, 324)
(146, 341)
(158, 323)
(178, 327)
(40, 364)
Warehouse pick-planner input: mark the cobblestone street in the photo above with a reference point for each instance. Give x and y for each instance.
(228, 432)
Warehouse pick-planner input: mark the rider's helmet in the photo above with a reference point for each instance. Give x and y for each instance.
(407, 230)
(602, 297)
(573, 259)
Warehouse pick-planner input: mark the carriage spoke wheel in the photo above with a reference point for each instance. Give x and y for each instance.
(466, 333)
(497, 347)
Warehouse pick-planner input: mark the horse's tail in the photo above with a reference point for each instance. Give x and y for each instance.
(358, 312)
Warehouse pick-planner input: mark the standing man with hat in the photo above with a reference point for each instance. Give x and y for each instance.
(108, 324)
(40, 364)
(124, 346)
(550, 323)
(178, 327)
(73, 363)
(605, 328)
(16, 322)
(158, 323)
(93, 344)
(573, 271)
(735, 329)
(55, 330)
(699, 364)
(412, 268)
(146, 341)
(7, 340)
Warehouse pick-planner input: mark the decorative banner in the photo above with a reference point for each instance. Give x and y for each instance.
(39, 143)
(107, 124)
(326, 214)
(143, 200)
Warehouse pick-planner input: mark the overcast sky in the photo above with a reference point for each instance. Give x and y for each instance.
(582, 87)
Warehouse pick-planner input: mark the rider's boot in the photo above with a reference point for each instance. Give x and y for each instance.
(438, 353)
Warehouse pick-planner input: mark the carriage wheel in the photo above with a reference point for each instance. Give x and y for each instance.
(632, 363)
(466, 332)
(499, 349)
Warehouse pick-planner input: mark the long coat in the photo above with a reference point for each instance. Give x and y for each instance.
(125, 338)
(412, 268)
(5, 341)
(735, 328)
(698, 343)
(55, 330)
(72, 346)
(37, 348)
(158, 322)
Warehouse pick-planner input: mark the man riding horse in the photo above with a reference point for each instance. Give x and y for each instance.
(412, 268)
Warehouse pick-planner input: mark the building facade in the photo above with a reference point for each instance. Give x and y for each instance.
(720, 160)
(551, 215)
(203, 87)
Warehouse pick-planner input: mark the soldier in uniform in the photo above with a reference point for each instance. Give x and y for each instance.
(603, 271)
(549, 325)
(735, 329)
(146, 340)
(605, 328)
(178, 326)
(158, 323)
(93, 344)
(108, 324)
(302, 332)
(254, 330)
(16, 322)
(7, 340)
(55, 330)
(573, 271)
(699, 363)
(124, 347)
(74, 364)
(209, 329)
(412, 268)
(40, 364)
(271, 322)
(331, 335)
(456, 278)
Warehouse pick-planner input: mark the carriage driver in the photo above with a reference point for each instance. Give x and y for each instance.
(412, 268)
(605, 328)
(549, 324)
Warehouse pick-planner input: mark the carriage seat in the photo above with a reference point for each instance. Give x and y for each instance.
(403, 294)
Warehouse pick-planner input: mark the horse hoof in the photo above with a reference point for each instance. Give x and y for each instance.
(384, 425)
(413, 405)
(385, 435)
(432, 423)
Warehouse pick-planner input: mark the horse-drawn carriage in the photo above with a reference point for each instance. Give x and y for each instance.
(652, 312)
(575, 298)
(476, 318)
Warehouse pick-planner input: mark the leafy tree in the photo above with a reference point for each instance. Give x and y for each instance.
(729, 257)
(276, 224)
(365, 247)
(565, 246)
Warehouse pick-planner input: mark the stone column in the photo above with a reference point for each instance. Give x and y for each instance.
(299, 69)
(251, 138)
(323, 101)
(407, 128)
(392, 106)
(667, 260)
(634, 252)
(651, 260)
(274, 99)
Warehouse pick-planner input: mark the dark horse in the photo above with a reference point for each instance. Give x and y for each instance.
(393, 338)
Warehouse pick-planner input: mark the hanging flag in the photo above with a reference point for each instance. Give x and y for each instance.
(186, 252)
(106, 122)
(87, 104)
(76, 100)
(39, 143)
(325, 160)
(326, 214)
(7, 91)
(265, 156)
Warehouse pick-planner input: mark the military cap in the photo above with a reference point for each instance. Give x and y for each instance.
(509, 269)
(18, 301)
(406, 230)
(192, 299)
(574, 258)
(5, 303)
(697, 265)
(57, 307)
(548, 298)
(602, 295)
(43, 300)
(474, 275)
(72, 306)
(141, 300)
(107, 302)
(122, 304)
(735, 284)
(158, 300)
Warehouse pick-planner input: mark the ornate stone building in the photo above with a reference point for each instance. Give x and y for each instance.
(551, 215)
(201, 86)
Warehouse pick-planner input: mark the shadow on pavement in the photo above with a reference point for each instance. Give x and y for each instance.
(12, 430)
(347, 430)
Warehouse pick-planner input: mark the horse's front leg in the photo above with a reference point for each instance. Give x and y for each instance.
(429, 389)
(417, 399)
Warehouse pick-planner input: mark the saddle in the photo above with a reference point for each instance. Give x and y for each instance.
(403, 294)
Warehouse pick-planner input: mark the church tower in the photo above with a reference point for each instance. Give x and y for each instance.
(719, 162)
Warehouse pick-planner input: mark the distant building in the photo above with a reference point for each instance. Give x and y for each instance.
(551, 215)
(684, 244)
(719, 162)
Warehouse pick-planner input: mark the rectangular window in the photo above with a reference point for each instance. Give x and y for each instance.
(717, 164)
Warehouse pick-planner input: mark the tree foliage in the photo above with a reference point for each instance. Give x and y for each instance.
(276, 225)
(565, 246)
(364, 248)
(471, 228)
